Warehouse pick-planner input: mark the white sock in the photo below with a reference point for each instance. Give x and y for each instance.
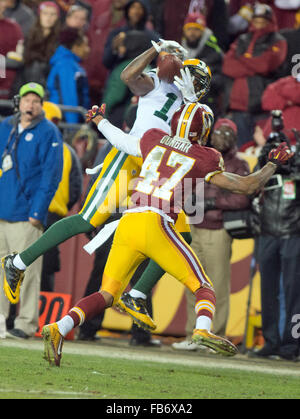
(203, 322)
(18, 263)
(137, 294)
(65, 325)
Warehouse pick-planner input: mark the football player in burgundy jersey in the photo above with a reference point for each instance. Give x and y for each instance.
(158, 102)
(147, 229)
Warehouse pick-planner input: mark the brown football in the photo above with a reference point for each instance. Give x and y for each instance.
(169, 66)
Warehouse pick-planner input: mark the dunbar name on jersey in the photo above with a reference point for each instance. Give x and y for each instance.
(171, 168)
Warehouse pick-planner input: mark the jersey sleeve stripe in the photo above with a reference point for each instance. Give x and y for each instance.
(211, 174)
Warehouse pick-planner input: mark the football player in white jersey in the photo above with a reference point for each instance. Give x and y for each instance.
(157, 98)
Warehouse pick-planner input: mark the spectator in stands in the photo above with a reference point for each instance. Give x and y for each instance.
(112, 17)
(32, 159)
(8, 43)
(249, 66)
(21, 14)
(67, 82)
(40, 44)
(67, 194)
(292, 37)
(285, 10)
(77, 17)
(116, 95)
(136, 13)
(157, 15)
(215, 12)
(241, 14)
(253, 148)
(86, 144)
(288, 21)
(64, 5)
(284, 94)
(211, 242)
(217, 18)
(201, 43)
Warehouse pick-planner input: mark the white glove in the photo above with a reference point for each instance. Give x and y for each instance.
(94, 170)
(169, 46)
(186, 86)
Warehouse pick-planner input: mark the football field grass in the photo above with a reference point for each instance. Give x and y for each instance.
(96, 372)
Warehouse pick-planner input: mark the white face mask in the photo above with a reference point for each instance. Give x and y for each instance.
(287, 4)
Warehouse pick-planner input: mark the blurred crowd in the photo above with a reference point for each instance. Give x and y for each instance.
(77, 49)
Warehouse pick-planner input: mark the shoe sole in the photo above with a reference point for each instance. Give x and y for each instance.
(121, 306)
(49, 348)
(220, 346)
(13, 297)
(185, 349)
(11, 336)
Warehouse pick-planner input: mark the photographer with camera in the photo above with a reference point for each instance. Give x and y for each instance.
(279, 247)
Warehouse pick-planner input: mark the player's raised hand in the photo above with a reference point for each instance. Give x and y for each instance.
(172, 47)
(94, 112)
(186, 86)
(280, 155)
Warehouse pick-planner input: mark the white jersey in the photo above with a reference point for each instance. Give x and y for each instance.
(156, 108)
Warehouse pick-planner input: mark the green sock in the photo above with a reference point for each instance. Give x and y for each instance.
(154, 272)
(56, 234)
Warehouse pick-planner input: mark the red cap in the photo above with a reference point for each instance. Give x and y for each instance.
(195, 20)
(48, 4)
(227, 122)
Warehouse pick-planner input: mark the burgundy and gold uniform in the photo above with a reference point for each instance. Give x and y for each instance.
(171, 167)
(147, 230)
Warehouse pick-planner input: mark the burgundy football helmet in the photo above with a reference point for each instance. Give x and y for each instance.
(193, 122)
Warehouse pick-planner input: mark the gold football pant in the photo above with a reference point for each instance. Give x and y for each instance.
(148, 235)
(112, 188)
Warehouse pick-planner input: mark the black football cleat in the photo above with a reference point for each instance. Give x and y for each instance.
(136, 308)
(13, 278)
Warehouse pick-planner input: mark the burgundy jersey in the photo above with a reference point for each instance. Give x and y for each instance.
(170, 170)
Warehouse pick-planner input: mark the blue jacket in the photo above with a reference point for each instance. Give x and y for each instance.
(27, 189)
(67, 82)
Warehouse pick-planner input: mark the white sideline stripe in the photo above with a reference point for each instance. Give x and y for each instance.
(169, 358)
(48, 392)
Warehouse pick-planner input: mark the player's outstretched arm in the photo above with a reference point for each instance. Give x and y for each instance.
(140, 84)
(252, 183)
(118, 138)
